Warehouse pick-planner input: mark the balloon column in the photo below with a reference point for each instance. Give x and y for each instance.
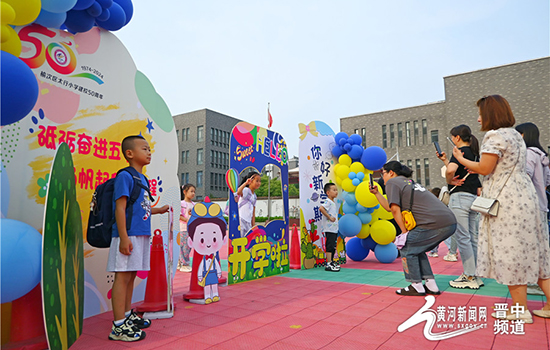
(19, 88)
(361, 215)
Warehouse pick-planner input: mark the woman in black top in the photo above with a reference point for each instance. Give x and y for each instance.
(462, 197)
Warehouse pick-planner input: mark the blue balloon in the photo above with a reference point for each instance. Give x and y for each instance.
(348, 209)
(5, 190)
(128, 9)
(51, 19)
(105, 14)
(356, 152)
(369, 243)
(21, 257)
(82, 4)
(349, 225)
(337, 151)
(386, 253)
(370, 210)
(350, 198)
(356, 182)
(364, 217)
(95, 10)
(105, 3)
(116, 20)
(57, 6)
(79, 21)
(355, 250)
(360, 208)
(342, 142)
(356, 139)
(19, 89)
(373, 158)
(347, 147)
(340, 136)
(360, 176)
(351, 175)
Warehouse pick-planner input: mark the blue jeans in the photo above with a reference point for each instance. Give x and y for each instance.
(413, 255)
(467, 229)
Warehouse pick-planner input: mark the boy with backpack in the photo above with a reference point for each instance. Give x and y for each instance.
(129, 251)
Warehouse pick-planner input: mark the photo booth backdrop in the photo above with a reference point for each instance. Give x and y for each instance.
(91, 96)
(316, 170)
(264, 251)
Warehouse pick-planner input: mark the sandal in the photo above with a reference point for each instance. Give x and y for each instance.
(409, 291)
(428, 291)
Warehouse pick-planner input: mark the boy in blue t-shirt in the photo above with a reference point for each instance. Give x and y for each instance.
(330, 221)
(129, 251)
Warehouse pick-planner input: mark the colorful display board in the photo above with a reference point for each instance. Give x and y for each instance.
(316, 169)
(264, 251)
(91, 96)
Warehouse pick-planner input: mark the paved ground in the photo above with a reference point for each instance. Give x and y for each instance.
(356, 308)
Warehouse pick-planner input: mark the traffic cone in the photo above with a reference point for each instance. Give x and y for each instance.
(295, 253)
(195, 291)
(156, 292)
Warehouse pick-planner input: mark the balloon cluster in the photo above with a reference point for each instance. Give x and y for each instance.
(19, 86)
(361, 215)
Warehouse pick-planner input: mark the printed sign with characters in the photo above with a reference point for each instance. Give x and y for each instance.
(255, 251)
(316, 170)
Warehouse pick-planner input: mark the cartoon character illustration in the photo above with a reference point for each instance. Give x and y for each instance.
(207, 234)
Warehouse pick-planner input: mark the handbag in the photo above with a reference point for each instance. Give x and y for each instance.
(446, 195)
(408, 218)
(489, 206)
(202, 282)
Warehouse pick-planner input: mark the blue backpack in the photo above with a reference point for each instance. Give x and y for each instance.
(102, 218)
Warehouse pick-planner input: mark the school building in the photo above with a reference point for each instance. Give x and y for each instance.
(410, 132)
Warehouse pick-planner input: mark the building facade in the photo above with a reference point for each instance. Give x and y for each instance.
(407, 134)
(203, 143)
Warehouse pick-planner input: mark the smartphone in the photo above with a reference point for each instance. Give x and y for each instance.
(371, 181)
(451, 141)
(437, 148)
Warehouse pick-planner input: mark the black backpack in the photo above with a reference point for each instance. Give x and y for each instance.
(102, 218)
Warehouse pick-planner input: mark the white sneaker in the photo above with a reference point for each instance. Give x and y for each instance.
(433, 254)
(465, 282)
(186, 269)
(450, 257)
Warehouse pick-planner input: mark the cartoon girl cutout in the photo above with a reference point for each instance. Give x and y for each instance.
(207, 235)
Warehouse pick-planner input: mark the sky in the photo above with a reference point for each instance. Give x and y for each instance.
(323, 60)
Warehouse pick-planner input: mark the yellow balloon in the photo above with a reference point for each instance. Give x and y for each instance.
(335, 168)
(357, 167)
(343, 171)
(344, 159)
(347, 185)
(365, 231)
(338, 181)
(5, 33)
(364, 197)
(25, 11)
(13, 44)
(381, 213)
(7, 13)
(382, 232)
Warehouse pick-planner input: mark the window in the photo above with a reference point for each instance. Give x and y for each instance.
(212, 136)
(408, 133)
(416, 132)
(177, 134)
(399, 134)
(212, 175)
(199, 179)
(392, 136)
(184, 157)
(426, 172)
(363, 137)
(424, 132)
(200, 156)
(418, 174)
(184, 178)
(212, 158)
(183, 135)
(409, 164)
(384, 137)
(435, 135)
(357, 131)
(200, 133)
(217, 137)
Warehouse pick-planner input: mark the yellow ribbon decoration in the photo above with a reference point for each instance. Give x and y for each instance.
(304, 129)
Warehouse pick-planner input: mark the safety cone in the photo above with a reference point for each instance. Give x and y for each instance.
(295, 255)
(156, 292)
(195, 291)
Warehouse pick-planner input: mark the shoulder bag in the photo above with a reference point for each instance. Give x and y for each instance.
(489, 206)
(408, 218)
